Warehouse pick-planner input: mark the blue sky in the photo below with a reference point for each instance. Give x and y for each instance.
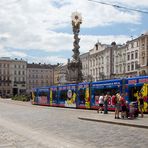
(41, 31)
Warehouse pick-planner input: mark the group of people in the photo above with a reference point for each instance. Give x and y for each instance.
(120, 104)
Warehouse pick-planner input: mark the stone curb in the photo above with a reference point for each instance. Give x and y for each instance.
(112, 122)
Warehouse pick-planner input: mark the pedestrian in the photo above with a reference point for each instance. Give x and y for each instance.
(127, 109)
(141, 103)
(101, 101)
(106, 103)
(123, 106)
(117, 106)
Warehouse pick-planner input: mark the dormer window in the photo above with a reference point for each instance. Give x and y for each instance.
(96, 46)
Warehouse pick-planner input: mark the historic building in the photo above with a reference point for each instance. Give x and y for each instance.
(12, 76)
(39, 75)
(137, 56)
(116, 61)
(18, 71)
(143, 54)
(85, 66)
(100, 61)
(119, 62)
(132, 57)
(5, 77)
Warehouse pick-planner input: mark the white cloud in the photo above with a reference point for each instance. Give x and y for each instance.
(30, 24)
(5, 53)
(88, 42)
(47, 59)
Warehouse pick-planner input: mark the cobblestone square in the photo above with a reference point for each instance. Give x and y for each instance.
(23, 125)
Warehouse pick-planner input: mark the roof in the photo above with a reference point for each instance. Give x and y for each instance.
(39, 66)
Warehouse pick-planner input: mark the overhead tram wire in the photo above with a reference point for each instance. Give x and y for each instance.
(119, 7)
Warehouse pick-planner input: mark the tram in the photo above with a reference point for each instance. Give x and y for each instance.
(85, 95)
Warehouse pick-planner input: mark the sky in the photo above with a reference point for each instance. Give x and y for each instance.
(40, 31)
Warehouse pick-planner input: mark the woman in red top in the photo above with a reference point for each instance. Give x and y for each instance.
(123, 107)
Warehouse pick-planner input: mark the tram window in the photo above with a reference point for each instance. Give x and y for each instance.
(43, 93)
(82, 95)
(132, 92)
(54, 95)
(111, 91)
(63, 95)
(97, 92)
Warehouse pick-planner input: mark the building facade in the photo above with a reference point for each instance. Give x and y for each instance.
(132, 57)
(143, 54)
(119, 62)
(18, 70)
(39, 75)
(12, 76)
(85, 66)
(5, 77)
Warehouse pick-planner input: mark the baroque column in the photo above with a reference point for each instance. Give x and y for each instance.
(75, 66)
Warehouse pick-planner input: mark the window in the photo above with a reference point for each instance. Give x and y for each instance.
(93, 71)
(137, 44)
(132, 56)
(128, 67)
(116, 69)
(93, 62)
(132, 66)
(132, 45)
(142, 60)
(136, 65)
(120, 68)
(128, 57)
(136, 55)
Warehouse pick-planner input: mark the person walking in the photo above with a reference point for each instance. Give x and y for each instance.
(123, 107)
(101, 101)
(106, 103)
(117, 106)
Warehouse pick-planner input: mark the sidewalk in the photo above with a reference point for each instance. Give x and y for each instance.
(110, 119)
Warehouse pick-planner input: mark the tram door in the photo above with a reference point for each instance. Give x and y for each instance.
(53, 96)
(43, 96)
(83, 99)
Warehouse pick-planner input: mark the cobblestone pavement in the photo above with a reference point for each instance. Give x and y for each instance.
(23, 125)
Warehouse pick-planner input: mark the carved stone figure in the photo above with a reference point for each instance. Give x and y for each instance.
(75, 66)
